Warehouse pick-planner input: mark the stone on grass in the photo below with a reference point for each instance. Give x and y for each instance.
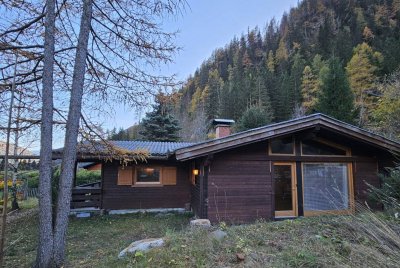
(142, 245)
(218, 234)
(240, 257)
(205, 223)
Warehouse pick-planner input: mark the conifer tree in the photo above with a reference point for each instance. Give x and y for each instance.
(271, 62)
(160, 124)
(253, 117)
(361, 70)
(311, 83)
(336, 98)
(309, 90)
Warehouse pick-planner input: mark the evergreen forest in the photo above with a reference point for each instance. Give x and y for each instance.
(337, 57)
(340, 58)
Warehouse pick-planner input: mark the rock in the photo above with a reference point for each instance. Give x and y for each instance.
(205, 223)
(142, 245)
(240, 257)
(218, 234)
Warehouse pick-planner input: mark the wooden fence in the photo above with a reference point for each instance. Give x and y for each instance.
(84, 197)
(33, 192)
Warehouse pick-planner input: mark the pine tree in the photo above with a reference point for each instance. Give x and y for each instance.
(309, 90)
(336, 98)
(254, 117)
(271, 62)
(296, 73)
(311, 83)
(361, 71)
(160, 124)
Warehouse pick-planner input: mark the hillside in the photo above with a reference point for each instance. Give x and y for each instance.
(282, 70)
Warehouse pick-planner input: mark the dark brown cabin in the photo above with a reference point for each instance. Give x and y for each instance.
(302, 167)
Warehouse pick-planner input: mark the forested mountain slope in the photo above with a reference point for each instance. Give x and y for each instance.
(290, 68)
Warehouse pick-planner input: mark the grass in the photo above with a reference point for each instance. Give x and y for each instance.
(29, 203)
(92, 242)
(367, 239)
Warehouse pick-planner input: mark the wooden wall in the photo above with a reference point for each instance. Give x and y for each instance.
(127, 197)
(240, 185)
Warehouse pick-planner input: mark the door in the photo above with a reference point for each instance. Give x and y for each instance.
(284, 176)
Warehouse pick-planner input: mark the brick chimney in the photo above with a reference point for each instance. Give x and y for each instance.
(222, 127)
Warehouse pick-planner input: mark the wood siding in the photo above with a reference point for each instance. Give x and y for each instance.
(365, 172)
(240, 186)
(127, 197)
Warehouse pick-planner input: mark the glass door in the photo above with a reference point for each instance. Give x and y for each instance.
(284, 177)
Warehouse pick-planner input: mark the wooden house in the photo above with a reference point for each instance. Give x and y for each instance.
(307, 166)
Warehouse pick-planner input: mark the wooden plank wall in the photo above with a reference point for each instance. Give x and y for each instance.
(127, 197)
(365, 172)
(240, 185)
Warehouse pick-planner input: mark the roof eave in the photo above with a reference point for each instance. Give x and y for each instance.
(289, 127)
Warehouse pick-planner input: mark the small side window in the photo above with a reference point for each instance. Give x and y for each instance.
(282, 146)
(322, 148)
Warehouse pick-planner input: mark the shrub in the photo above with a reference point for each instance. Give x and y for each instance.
(389, 193)
(84, 176)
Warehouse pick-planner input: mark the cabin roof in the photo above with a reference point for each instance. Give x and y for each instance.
(284, 128)
(155, 148)
(89, 151)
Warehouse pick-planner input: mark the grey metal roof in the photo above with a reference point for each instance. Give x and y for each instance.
(155, 148)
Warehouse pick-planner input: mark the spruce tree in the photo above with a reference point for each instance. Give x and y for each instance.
(253, 117)
(336, 98)
(160, 124)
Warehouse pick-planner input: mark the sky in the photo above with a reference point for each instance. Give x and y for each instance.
(204, 26)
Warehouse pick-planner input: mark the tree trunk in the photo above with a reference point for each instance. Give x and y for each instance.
(45, 246)
(5, 189)
(14, 204)
(71, 136)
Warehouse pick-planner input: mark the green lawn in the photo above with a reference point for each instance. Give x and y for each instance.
(368, 240)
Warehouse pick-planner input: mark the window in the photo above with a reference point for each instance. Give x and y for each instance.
(319, 147)
(147, 176)
(327, 187)
(282, 146)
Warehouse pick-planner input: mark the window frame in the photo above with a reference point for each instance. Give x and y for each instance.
(270, 147)
(350, 185)
(329, 143)
(147, 183)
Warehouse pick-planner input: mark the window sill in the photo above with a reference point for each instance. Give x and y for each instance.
(147, 185)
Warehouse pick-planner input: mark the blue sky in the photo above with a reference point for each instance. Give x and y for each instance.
(204, 26)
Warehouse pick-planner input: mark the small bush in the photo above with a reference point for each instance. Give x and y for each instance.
(31, 177)
(84, 176)
(389, 193)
